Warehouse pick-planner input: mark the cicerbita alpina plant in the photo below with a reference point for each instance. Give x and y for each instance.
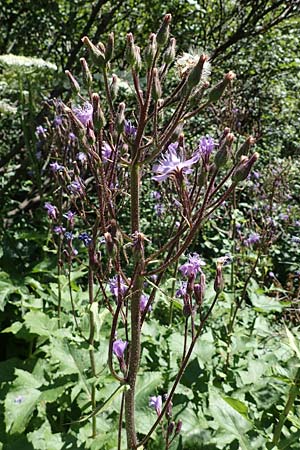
(103, 155)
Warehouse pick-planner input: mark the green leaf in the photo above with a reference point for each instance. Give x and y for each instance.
(39, 323)
(44, 439)
(229, 419)
(292, 341)
(19, 407)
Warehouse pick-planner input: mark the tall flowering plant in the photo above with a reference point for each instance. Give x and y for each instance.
(102, 154)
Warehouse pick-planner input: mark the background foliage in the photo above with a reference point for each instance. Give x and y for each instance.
(43, 369)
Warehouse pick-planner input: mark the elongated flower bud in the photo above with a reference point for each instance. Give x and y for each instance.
(150, 51)
(133, 53)
(163, 33)
(217, 91)
(74, 84)
(157, 92)
(109, 51)
(219, 281)
(199, 290)
(243, 170)
(244, 148)
(87, 76)
(223, 154)
(120, 118)
(114, 87)
(170, 53)
(171, 428)
(196, 72)
(97, 55)
(178, 427)
(98, 115)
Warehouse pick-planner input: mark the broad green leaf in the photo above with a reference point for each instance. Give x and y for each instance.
(44, 439)
(292, 341)
(19, 407)
(229, 419)
(39, 323)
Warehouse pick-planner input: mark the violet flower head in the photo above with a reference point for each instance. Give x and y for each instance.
(84, 113)
(143, 303)
(181, 292)
(253, 238)
(40, 131)
(85, 238)
(72, 137)
(156, 195)
(81, 157)
(156, 403)
(56, 167)
(51, 210)
(19, 399)
(119, 348)
(70, 216)
(59, 229)
(106, 152)
(76, 188)
(193, 266)
(114, 286)
(171, 164)
(159, 209)
(206, 146)
(129, 129)
(57, 121)
(296, 239)
(69, 236)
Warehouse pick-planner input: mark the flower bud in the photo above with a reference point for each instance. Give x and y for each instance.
(219, 281)
(244, 148)
(223, 154)
(109, 244)
(91, 138)
(170, 52)
(156, 88)
(133, 53)
(171, 428)
(162, 35)
(194, 76)
(217, 91)
(87, 76)
(98, 115)
(74, 84)
(150, 50)
(120, 118)
(178, 427)
(109, 51)
(97, 55)
(243, 170)
(114, 87)
(199, 290)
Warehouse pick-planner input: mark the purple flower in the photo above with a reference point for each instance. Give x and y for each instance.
(76, 188)
(296, 239)
(84, 113)
(159, 209)
(70, 216)
(271, 275)
(55, 167)
(72, 137)
(51, 210)
(283, 216)
(114, 286)
(171, 164)
(119, 348)
(181, 292)
(57, 121)
(106, 152)
(85, 238)
(206, 146)
(297, 223)
(143, 303)
(193, 266)
(59, 229)
(253, 238)
(129, 129)
(19, 399)
(40, 131)
(156, 403)
(156, 195)
(69, 235)
(81, 157)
